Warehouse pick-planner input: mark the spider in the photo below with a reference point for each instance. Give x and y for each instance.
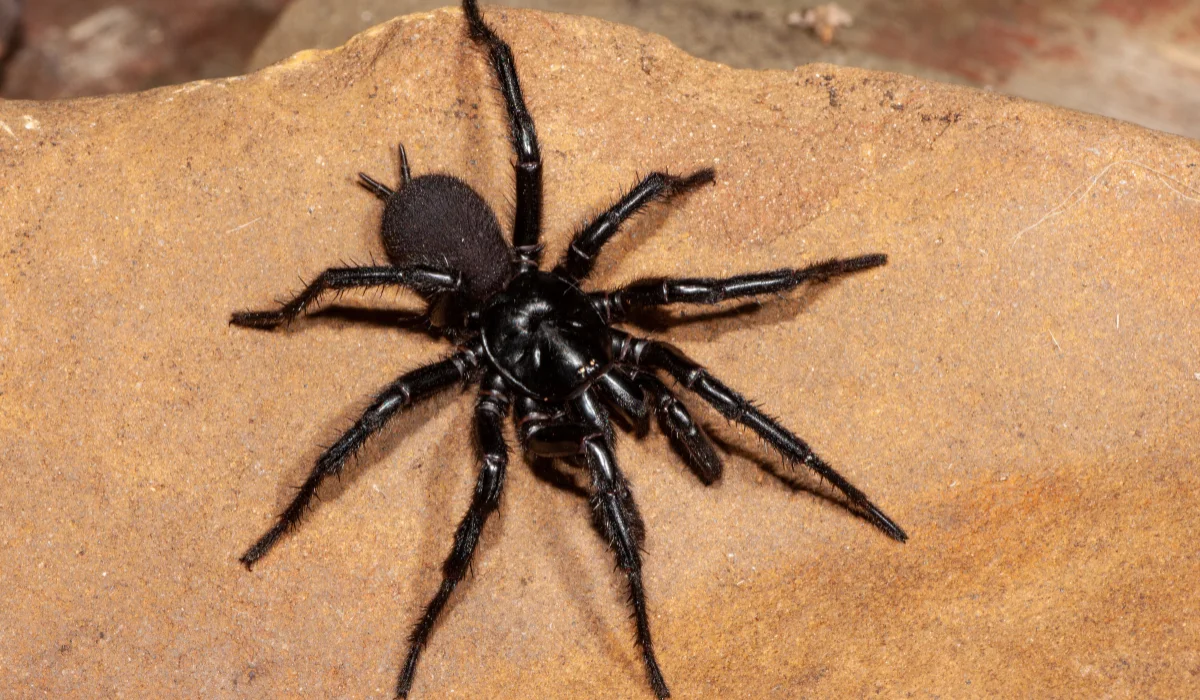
(540, 346)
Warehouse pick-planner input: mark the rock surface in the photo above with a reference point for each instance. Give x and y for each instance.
(738, 33)
(1018, 387)
(1134, 61)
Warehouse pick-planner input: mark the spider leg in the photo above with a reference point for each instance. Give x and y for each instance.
(613, 506)
(381, 190)
(594, 416)
(621, 393)
(614, 305)
(550, 435)
(656, 355)
(422, 279)
(490, 411)
(527, 227)
(409, 388)
(617, 515)
(581, 254)
(686, 436)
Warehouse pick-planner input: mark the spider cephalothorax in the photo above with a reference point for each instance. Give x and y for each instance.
(541, 347)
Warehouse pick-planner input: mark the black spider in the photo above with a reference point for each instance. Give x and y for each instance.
(537, 343)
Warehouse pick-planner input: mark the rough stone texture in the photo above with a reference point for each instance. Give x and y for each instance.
(739, 33)
(1018, 387)
(1135, 61)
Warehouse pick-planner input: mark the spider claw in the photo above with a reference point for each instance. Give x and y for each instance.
(251, 557)
(657, 683)
(864, 262)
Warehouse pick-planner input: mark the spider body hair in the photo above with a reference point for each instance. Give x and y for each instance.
(440, 221)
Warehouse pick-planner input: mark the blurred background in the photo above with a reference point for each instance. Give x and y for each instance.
(1137, 61)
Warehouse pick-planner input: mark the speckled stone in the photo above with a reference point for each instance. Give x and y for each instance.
(1018, 387)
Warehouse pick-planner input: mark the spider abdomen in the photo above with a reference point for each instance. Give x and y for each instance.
(439, 220)
(545, 337)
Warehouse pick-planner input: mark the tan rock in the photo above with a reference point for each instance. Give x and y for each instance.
(739, 33)
(1133, 61)
(1018, 387)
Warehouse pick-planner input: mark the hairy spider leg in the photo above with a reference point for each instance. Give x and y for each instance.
(584, 436)
(409, 388)
(420, 278)
(581, 254)
(549, 435)
(735, 407)
(490, 411)
(617, 516)
(625, 394)
(381, 190)
(686, 436)
(613, 505)
(527, 226)
(621, 393)
(659, 291)
(588, 408)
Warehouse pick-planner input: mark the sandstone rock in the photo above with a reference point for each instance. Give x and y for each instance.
(1132, 61)
(739, 33)
(1018, 387)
